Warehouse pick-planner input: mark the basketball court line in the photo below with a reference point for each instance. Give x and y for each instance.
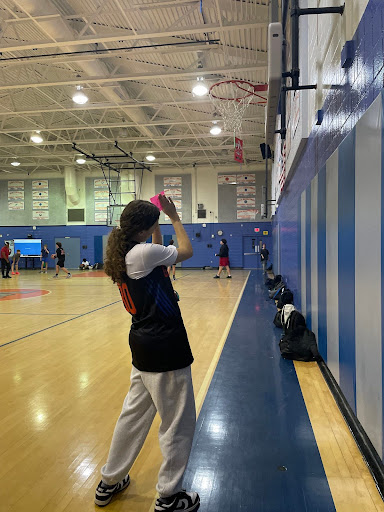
(199, 400)
(60, 323)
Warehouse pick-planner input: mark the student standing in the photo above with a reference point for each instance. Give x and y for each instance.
(161, 356)
(5, 264)
(224, 259)
(173, 267)
(44, 259)
(264, 255)
(15, 262)
(60, 255)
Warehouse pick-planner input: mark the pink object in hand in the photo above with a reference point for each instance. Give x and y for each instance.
(155, 200)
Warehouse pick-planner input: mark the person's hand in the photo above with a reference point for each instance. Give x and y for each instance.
(168, 207)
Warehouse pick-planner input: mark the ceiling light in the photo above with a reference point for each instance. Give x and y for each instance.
(36, 137)
(79, 97)
(150, 158)
(200, 88)
(80, 159)
(215, 130)
(15, 163)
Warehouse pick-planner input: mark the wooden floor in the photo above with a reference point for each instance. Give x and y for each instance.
(351, 484)
(63, 387)
(65, 372)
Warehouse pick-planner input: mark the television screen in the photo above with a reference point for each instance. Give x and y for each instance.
(28, 247)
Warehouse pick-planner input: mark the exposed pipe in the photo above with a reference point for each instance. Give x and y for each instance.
(98, 51)
(71, 185)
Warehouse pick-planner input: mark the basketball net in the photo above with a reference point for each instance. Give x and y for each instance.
(231, 99)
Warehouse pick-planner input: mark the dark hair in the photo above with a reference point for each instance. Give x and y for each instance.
(59, 245)
(171, 242)
(137, 216)
(224, 241)
(84, 259)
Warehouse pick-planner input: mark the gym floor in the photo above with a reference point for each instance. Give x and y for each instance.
(269, 437)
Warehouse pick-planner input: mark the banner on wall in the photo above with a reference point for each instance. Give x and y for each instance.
(101, 194)
(238, 150)
(101, 205)
(249, 202)
(16, 185)
(177, 203)
(13, 205)
(39, 194)
(180, 214)
(247, 214)
(40, 205)
(15, 195)
(36, 184)
(173, 181)
(246, 178)
(226, 179)
(40, 214)
(100, 183)
(173, 192)
(246, 191)
(100, 216)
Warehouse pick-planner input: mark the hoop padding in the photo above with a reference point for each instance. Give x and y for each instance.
(231, 98)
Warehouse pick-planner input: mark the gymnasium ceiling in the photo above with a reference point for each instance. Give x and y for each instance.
(138, 80)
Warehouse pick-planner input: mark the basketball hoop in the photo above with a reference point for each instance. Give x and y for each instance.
(231, 98)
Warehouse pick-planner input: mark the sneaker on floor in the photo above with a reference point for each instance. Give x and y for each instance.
(104, 492)
(229, 277)
(13, 273)
(174, 278)
(55, 277)
(216, 277)
(8, 277)
(69, 275)
(182, 501)
(18, 273)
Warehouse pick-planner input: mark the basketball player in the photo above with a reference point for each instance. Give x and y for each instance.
(60, 255)
(161, 356)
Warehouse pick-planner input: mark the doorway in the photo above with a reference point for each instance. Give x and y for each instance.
(71, 247)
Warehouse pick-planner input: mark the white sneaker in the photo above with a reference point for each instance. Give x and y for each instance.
(104, 493)
(69, 275)
(182, 501)
(55, 277)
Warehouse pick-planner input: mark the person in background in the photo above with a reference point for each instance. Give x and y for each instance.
(224, 259)
(84, 265)
(264, 255)
(15, 262)
(161, 378)
(60, 255)
(5, 264)
(44, 259)
(171, 242)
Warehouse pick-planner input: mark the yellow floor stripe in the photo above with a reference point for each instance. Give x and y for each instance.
(352, 486)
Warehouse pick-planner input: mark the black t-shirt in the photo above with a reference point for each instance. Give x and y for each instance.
(60, 253)
(224, 251)
(158, 338)
(264, 253)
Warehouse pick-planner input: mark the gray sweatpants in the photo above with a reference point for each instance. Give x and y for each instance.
(171, 394)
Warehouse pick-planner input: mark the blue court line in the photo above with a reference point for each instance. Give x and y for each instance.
(60, 323)
(254, 447)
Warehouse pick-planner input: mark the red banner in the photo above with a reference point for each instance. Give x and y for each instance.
(238, 150)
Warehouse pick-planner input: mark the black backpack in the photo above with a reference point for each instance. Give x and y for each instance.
(277, 320)
(299, 345)
(286, 297)
(294, 321)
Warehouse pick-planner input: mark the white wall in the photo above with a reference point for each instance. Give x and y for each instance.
(204, 185)
(322, 38)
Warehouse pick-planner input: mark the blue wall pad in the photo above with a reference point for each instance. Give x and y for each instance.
(254, 423)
